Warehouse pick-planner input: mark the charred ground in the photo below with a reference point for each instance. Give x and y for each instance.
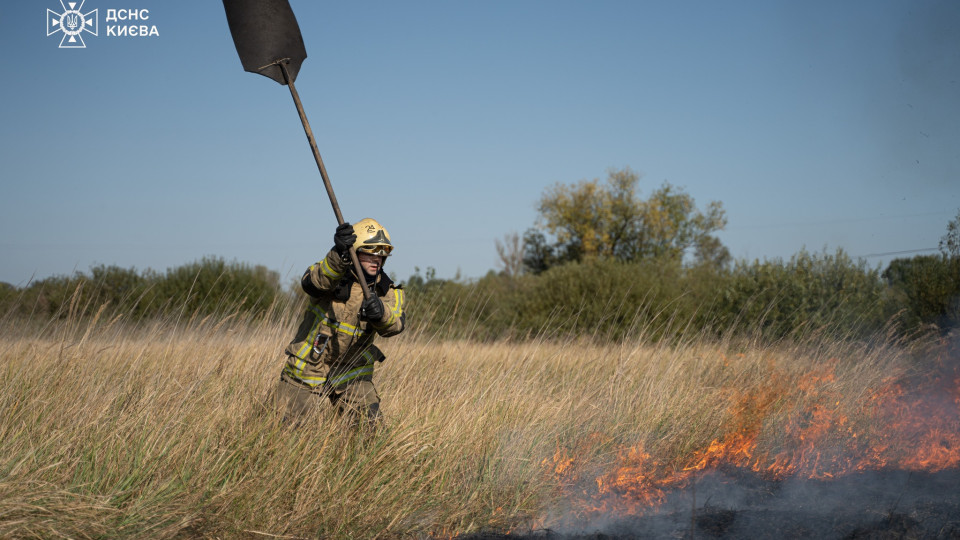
(735, 503)
(914, 493)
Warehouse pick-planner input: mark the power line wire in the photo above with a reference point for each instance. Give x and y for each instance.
(838, 221)
(907, 252)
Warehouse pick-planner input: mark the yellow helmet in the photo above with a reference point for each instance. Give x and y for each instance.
(372, 238)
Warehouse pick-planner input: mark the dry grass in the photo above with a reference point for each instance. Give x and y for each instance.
(167, 429)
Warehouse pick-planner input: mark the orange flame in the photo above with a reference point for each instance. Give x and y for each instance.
(915, 432)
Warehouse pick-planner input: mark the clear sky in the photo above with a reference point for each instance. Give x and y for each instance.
(817, 124)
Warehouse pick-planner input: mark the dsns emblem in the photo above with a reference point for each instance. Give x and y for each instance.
(73, 23)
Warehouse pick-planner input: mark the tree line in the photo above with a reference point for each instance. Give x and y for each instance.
(809, 293)
(601, 261)
(208, 286)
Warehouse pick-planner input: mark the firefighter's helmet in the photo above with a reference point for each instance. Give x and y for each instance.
(372, 238)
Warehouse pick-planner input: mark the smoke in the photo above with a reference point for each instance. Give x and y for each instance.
(913, 493)
(737, 504)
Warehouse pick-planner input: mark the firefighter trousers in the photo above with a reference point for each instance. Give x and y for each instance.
(357, 400)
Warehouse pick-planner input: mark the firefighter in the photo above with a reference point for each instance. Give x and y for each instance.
(332, 355)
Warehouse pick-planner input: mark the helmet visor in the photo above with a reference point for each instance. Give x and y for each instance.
(380, 249)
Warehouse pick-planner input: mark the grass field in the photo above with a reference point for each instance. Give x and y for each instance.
(167, 429)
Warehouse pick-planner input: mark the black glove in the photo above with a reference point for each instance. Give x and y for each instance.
(371, 309)
(344, 239)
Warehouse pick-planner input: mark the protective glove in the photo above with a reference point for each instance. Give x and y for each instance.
(343, 239)
(371, 309)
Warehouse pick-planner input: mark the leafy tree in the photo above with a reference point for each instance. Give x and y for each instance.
(538, 254)
(609, 220)
(672, 224)
(710, 252)
(928, 286)
(950, 242)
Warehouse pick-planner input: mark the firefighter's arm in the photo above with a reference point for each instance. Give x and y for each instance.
(394, 318)
(321, 278)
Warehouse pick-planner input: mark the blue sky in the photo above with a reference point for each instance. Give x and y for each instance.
(817, 124)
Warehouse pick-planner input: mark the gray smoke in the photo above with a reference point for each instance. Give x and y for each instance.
(730, 502)
(736, 504)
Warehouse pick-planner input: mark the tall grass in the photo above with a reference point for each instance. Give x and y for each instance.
(167, 429)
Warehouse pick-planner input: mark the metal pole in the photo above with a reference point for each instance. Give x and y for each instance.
(361, 277)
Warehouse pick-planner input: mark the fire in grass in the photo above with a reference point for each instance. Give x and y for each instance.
(908, 426)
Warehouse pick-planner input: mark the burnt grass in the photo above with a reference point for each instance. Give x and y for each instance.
(734, 503)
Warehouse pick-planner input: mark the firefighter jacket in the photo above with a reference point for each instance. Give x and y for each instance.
(333, 346)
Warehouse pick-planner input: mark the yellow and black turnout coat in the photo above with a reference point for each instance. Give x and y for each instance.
(333, 347)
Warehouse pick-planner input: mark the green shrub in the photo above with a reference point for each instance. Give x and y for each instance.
(210, 285)
(481, 309)
(928, 289)
(594, 298)
(604, 298)
(810, 292)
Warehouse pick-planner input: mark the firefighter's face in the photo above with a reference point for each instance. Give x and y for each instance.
(371, 264)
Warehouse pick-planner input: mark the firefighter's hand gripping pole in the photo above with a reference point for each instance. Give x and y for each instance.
(323, 172)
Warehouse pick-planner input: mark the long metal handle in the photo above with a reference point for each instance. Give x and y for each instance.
(323, 174)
